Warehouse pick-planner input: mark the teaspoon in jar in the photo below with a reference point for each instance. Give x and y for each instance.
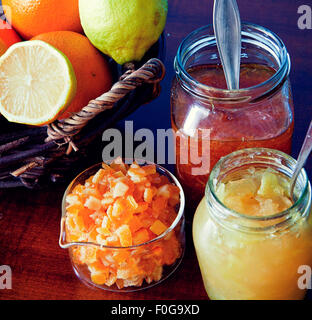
(302, 158)
(227, 28)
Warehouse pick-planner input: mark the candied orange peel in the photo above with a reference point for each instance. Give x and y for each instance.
(124, 207)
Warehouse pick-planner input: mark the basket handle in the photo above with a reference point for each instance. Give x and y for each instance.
(152, 71)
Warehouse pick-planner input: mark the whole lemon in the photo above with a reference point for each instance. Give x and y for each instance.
(123, 29)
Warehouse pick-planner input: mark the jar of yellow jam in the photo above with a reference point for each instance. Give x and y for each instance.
(251, 238)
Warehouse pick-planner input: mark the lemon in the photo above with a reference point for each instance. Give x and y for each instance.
(37, 83)
(123, 29)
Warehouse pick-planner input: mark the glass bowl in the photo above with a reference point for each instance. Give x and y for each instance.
(140, 251)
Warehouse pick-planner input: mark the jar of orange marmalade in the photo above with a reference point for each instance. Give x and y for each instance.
(211, 121)
(251, 238)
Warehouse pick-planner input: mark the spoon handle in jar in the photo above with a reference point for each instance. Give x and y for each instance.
(227, 28)
(303, 157)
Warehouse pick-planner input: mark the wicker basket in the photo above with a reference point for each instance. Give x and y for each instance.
(33, 157)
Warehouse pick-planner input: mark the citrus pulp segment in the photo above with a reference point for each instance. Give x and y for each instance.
(37, 83)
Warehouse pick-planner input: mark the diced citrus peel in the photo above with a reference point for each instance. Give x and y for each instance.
(140, 236)
(133, 218)
(93, 203)
(120, 189)
(158, 227)
(37, 83)
(135, 224)
(149, 169)
(149, 194)
(125, 236)
(119, 165)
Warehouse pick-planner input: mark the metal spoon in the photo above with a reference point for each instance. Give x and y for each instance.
(227, 28)
(303, 157)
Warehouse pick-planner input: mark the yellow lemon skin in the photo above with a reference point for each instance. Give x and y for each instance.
(123, 29)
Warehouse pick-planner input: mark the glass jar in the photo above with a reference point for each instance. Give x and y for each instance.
(212, 122)
(137, 267)
(253, 257)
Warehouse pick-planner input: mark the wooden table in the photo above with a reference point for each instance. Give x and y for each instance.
(29, 220)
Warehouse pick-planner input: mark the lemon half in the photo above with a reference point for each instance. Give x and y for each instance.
(37, 83)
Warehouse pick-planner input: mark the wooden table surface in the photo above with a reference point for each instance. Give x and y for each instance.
(29, 220)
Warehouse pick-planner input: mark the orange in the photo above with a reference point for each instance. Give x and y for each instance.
(91, 68)
(3, 47)
(33, 17)
(7, 34)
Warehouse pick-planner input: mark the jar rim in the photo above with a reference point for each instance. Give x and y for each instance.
(247, 28)
(63, 243)
(210, 186)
